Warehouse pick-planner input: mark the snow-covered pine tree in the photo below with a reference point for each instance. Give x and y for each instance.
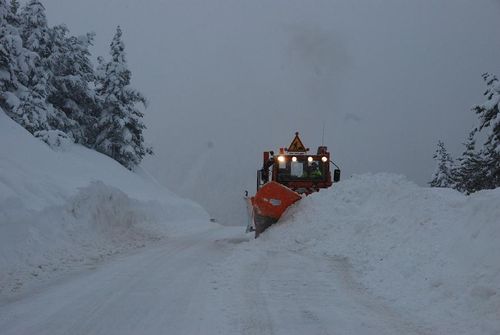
(489, 122)
(469, 174)
(13, 17)
(14, 60)
(120, 122)
(444, 165)
(37, 114)
(9, 46)
(25, 59)
(14, 6)
(36, 38)
(71, 90)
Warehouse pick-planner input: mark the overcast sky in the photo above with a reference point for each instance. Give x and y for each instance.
(227, 80)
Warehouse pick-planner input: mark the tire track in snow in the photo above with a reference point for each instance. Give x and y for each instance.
(296, 297)
(343, 269)
(294, 293)
(160, 290)
(257, 321)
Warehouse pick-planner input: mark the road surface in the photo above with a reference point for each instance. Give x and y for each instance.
(214, 282)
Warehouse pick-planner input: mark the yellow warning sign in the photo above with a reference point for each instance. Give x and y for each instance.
(297, 145)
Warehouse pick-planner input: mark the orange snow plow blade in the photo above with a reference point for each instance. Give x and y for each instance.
(270, 203)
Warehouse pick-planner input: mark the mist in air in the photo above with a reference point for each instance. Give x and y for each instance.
(227, 80)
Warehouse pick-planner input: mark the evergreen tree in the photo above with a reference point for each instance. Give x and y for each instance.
(36, 112)
(13, 17)
(444, 166)
(36, 38)
(480, 169)
(120, 122)
(14, 6)
(488, 112)
(469, 175)
(489, 122)
(70, 84)
(32, 112)
(14, 60)
(8, 59)
(491, 167)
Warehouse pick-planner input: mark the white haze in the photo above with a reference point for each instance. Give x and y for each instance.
(227, 80)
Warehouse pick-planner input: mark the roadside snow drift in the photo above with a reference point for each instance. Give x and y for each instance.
(66, 208)
(432, 255)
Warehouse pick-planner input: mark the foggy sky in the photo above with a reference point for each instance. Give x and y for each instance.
(227, 80)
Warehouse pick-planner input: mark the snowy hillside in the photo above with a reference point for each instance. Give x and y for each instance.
(71, 207)
(423, 259)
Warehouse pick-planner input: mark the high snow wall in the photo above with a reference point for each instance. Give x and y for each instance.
(433, 254)
(63, 208)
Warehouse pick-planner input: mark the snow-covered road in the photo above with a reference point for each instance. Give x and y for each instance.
(158, 290)
(206, 283)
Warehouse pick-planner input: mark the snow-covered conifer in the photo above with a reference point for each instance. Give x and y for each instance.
(31, 112)
(8, 47)
(469, 174)
(444, 165)
(13, 59)
(36, 113)
(14, 6)
(479, 168)
(13, 17)
(488, 112)
(489, 123)
(36, 38)
(120, 122)
(72, 75)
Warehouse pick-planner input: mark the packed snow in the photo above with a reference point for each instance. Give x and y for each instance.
(71, 207)
(431, 256)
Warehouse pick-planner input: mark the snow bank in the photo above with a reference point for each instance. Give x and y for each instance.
(61, 209)
(433, 254)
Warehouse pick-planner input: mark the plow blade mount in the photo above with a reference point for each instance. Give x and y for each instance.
(269, 203)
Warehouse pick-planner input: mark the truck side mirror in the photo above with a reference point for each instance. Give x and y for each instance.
(336, 175)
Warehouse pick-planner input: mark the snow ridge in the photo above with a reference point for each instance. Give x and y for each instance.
(431, 254)
(61, 210)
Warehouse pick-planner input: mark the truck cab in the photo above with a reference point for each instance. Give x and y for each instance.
(297, 169)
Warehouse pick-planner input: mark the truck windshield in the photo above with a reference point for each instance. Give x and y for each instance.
(301, 170)
(296, 169)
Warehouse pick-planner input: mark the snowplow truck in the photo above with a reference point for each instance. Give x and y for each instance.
(284, 179)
